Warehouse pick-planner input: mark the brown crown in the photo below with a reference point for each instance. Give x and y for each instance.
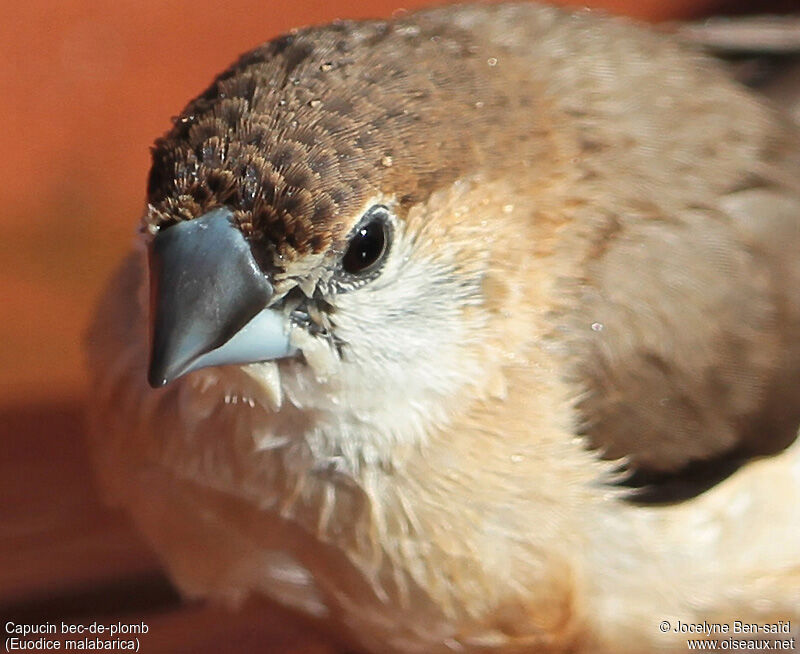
(299, 133)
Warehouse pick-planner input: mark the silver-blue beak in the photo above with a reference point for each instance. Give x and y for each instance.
(208, 300)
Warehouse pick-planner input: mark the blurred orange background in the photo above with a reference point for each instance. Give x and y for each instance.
(85, 87)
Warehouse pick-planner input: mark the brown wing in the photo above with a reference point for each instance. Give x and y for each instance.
(695, 355)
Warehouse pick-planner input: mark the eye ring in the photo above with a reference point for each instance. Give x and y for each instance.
(369, 243)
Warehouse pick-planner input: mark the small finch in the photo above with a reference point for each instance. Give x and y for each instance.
(475, 330)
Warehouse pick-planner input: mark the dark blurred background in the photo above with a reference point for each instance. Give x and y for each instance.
(85, 87)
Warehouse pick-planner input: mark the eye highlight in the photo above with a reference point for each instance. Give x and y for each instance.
(369, 243)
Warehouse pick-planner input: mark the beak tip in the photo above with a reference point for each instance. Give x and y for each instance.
(156, 379)
(159, 374)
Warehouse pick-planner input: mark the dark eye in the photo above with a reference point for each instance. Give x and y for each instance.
(369, 243)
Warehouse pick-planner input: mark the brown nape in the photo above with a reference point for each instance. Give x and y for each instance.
(301, 132)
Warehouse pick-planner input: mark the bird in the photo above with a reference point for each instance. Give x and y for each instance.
(476, 329)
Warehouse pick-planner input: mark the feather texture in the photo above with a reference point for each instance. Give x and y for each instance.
(593, 269)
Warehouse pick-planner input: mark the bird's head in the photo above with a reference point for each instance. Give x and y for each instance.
(337, 214)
